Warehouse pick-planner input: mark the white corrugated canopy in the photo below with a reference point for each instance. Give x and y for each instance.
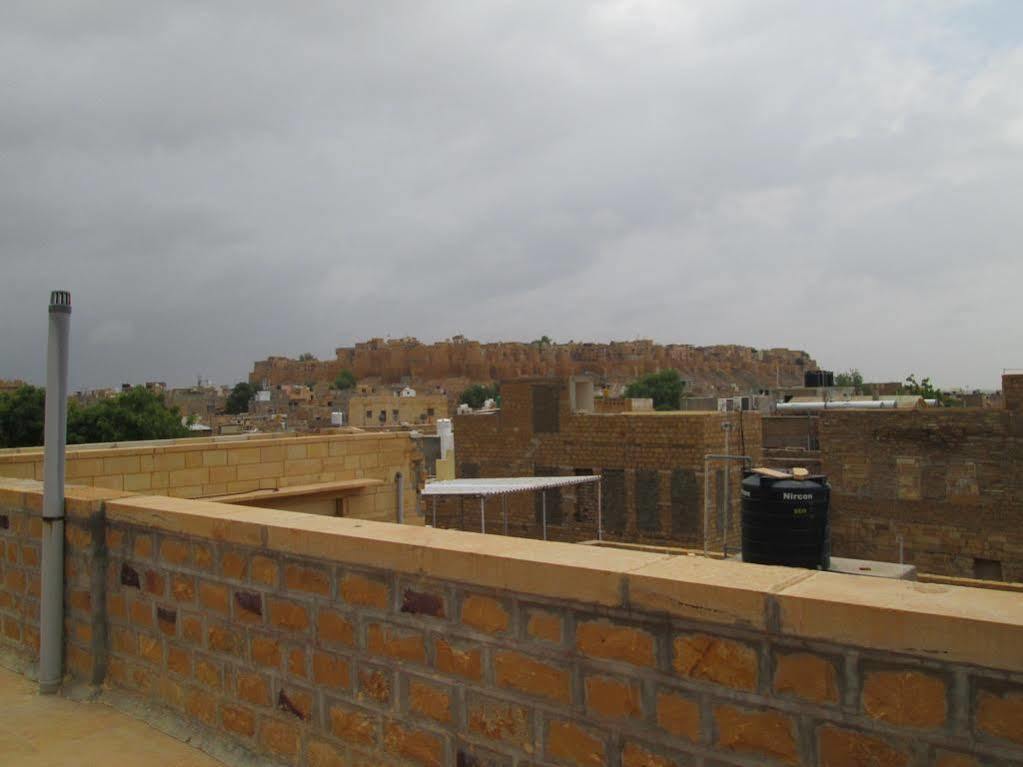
(488, 486)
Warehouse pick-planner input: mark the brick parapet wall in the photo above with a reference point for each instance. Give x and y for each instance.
(663, 450)
(202, 468)
(946, 480)
(329, 641)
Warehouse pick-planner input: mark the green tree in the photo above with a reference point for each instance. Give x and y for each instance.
(476, 395)
(132, 415)
(307, 357)
(238, 399)
(22, 413)
(851, 377)
(543, 342)
(345, 380)
(664, 387)
(926, 390)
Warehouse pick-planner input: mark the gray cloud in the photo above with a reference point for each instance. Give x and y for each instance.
(220, 182)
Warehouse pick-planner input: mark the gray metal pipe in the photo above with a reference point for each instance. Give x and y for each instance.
(51, 607)
(746, 460)
(399, 481)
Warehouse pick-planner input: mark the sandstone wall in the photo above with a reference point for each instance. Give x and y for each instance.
(318, 643)
(708, 368)
(948, 481)
(652, 466)
(199, 468)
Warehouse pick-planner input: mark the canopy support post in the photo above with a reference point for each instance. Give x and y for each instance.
(600, 518)
(504, 508)
(434, 511)
(483, 514)
(543, 507)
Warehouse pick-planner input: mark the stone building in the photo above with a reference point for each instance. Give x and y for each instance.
(389, 408)
(652, 464)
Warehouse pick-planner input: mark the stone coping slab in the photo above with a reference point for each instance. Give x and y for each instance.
(339, 487)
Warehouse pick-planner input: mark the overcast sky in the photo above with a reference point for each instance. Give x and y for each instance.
(217, 182)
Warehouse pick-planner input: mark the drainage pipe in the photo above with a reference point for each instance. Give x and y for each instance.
(51, 607)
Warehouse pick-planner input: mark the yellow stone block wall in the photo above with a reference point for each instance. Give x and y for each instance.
(206, 468)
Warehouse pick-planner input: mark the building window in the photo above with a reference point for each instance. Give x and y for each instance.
(394, 415)
(369, 415)
(987, 569)
(383, 416)
(429, 412)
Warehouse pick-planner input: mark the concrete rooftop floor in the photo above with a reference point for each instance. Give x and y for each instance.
(51, 731)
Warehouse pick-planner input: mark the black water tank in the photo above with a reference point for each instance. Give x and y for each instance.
(785, 521)
(817, 378)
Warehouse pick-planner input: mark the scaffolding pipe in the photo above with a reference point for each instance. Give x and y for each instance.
(51, 607)
(399, 491)
(706, 487)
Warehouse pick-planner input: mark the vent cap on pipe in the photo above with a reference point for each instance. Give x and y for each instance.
(60, 301)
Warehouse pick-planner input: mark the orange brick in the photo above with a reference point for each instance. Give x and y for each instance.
(265, 652)
(143, 547)
(154, 583)
(485, 614)
(287, 615)
(321, 754)
(178, 660)
(722, 661)
(224, 640)
(544, 625)
(215, 597)
(254, 688)
(1000, 715)
(520, 672)
(762, 733)
(124, 640)
(279, 738)
(311, 580)
(634, 755)
(418, 745)
(208, 673)
(81, 600)
(30, 556)
(296, 702)
(613, 697)
(570, 742)
(806, 676)
(452, 660)
(12, 629)
(500, 720)
(352, 725)
(296, 662)
(182, 587)
(679, 716)
(142, 614)
(331, 670)
(191, 629)
(174, 551)
(602, 639)
(395, 643)
(429, 700)
(334, 627)
(202, 555)
(365, 592)
(374, 684)
(238, 720)
(232, 565)
(844, 748)
(201, 705)
(264, 570)
(904, 698)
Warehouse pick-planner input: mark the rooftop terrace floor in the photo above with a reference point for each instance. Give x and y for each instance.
(51, 731)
